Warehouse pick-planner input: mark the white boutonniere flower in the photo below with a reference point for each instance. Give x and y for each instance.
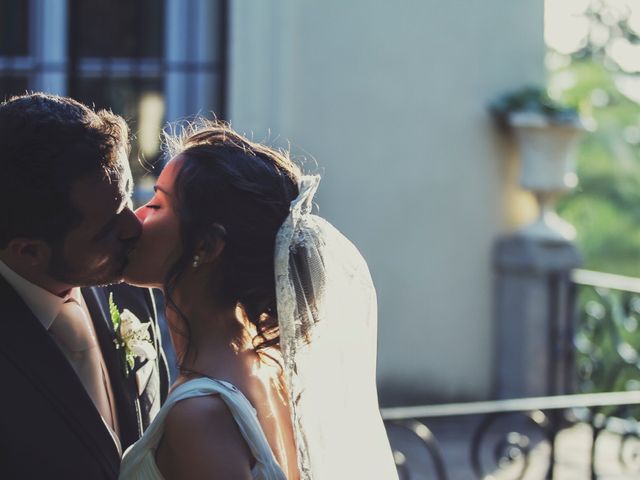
(132, 336)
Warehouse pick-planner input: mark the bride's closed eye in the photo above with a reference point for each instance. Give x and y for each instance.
(153, 207)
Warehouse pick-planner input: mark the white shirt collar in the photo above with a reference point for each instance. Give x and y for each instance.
(44, 304)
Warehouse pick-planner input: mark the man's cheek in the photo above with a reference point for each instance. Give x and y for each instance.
(94, 260)
(101, 261)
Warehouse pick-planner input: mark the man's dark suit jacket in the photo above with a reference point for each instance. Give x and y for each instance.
(49, 427)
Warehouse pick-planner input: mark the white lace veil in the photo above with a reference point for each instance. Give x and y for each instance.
(327, 314)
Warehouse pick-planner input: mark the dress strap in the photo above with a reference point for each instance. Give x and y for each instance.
(243, 413)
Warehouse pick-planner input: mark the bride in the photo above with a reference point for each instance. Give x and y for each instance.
(273, 317)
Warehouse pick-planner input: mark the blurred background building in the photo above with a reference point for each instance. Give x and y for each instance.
(388, 101)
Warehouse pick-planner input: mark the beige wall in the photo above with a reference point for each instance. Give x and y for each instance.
(389, 98)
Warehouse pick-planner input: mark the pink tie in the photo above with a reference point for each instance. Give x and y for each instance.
(74, 334)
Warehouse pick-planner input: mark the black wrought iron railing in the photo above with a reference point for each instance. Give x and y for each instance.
(607, 332)
(592, 432)
(581, 436)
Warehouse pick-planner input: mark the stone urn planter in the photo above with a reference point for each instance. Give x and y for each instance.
(547, 169)
(546, 135)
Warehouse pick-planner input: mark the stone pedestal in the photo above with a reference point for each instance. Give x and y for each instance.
(534, 304)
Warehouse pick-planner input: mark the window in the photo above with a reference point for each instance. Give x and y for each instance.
(151, 61)
(116, 61)
(15, 65)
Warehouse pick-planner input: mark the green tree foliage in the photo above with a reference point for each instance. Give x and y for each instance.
(605, 207)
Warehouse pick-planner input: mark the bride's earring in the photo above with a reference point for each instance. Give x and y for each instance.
(196, 261)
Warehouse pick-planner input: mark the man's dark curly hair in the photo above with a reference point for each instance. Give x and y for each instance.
(47, 143)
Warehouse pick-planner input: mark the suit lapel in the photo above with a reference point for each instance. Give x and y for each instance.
(48, 370)
(123, 388)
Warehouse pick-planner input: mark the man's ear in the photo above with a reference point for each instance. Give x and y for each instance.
(212, 246)
(29, 252)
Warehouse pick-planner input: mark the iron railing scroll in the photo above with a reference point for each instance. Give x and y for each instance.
(590, 432)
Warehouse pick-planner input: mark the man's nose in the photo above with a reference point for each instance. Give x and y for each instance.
(141, 213)
(131, 225)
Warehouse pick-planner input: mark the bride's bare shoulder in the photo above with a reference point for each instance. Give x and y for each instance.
(202, 440)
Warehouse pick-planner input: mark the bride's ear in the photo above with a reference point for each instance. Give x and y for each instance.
(212, 246)
(29, 253)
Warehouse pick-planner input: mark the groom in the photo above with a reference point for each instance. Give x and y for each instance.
(70, 402)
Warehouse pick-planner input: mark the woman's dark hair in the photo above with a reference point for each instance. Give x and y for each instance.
(232, 189)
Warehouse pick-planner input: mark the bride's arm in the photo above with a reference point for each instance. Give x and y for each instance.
(202, 440)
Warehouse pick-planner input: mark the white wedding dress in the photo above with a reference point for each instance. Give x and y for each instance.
(139, 460)
(327, 318)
